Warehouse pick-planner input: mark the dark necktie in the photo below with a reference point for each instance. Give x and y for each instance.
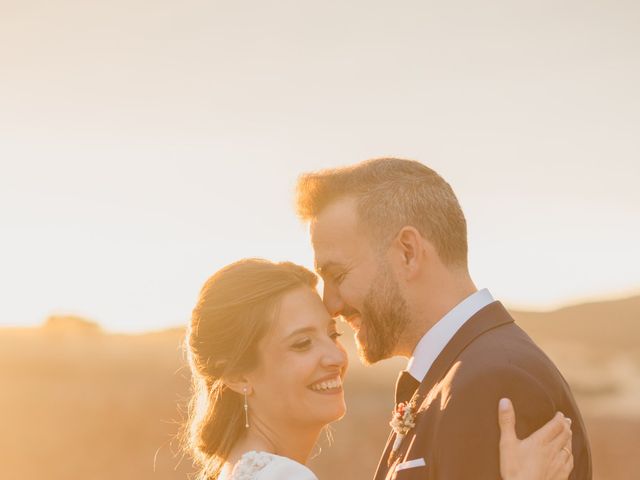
(405, 387)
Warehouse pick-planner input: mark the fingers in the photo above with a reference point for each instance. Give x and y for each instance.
(566, 449)
(549, 448)
(557, 430)
(563, 438)
(560, 464)
(560, 450)
(506, 420)
(564, 462)
(567, 467)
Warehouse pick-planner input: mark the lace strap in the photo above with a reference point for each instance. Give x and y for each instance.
(250, 464)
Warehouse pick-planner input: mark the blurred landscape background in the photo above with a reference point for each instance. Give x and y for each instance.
(77, 403)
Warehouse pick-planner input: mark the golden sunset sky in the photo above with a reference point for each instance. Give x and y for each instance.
(143, 145)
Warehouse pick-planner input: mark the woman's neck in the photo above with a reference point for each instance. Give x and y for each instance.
(292, 442)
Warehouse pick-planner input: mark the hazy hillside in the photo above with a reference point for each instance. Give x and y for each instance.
(608, 328)
(596, 347)
(77, 403)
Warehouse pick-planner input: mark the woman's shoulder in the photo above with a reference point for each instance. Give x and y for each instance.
(267, 466)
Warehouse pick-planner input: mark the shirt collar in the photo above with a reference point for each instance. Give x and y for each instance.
(437, 337)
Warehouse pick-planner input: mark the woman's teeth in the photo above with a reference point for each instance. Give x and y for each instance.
(327, 385)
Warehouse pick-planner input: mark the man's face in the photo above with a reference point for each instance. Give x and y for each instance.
(358, 281)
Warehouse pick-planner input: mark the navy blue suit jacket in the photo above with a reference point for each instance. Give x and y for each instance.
(457, 432)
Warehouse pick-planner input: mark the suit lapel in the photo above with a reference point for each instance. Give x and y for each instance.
(488, 318)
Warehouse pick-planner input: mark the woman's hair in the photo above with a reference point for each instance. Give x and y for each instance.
(234, 311)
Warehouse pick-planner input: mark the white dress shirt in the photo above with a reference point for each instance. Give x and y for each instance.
(434, 341)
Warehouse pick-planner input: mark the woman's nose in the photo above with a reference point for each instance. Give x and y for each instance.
(335, 356)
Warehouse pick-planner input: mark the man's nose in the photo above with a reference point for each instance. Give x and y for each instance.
(332, 300)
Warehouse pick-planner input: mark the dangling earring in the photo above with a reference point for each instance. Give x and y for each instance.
(246, 409)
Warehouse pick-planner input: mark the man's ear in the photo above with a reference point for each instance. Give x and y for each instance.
(410, 247)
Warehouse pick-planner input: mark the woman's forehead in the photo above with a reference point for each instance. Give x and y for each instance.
(300, 308)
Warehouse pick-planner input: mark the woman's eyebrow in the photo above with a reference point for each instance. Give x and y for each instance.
(299, 331)
(309, 329)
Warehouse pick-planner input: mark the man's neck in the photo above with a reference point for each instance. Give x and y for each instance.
(431, 305)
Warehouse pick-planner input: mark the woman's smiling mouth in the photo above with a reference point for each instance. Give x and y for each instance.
(327, 385)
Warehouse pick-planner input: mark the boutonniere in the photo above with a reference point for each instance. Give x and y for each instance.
(402, 421)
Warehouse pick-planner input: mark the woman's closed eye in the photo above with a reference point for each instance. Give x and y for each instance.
(305, 343)
(302, 344)
(335, 335)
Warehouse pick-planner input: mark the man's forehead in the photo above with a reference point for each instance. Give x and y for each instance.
(335, 221)
(334, 234)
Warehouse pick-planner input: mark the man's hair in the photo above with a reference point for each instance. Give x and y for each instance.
(391, 193)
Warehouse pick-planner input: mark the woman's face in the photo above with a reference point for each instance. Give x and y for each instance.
(301, 367)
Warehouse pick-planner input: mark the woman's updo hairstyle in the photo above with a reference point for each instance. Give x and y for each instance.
(234, 311)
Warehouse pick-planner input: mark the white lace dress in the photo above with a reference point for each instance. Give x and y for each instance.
(267, 466)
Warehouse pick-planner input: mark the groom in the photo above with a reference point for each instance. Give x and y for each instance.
(390, 243)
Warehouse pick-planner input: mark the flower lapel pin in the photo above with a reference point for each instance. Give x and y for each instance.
(402, 421)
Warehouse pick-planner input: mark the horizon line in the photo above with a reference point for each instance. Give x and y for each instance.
(523, 308)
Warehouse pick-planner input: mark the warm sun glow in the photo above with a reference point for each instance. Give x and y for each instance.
(123, 188)
(144, 145)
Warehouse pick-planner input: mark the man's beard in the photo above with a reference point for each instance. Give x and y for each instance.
(384, 317)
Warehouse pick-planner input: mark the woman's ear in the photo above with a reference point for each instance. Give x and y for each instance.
(239, 385)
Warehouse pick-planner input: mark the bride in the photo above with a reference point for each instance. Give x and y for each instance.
(268, 369)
